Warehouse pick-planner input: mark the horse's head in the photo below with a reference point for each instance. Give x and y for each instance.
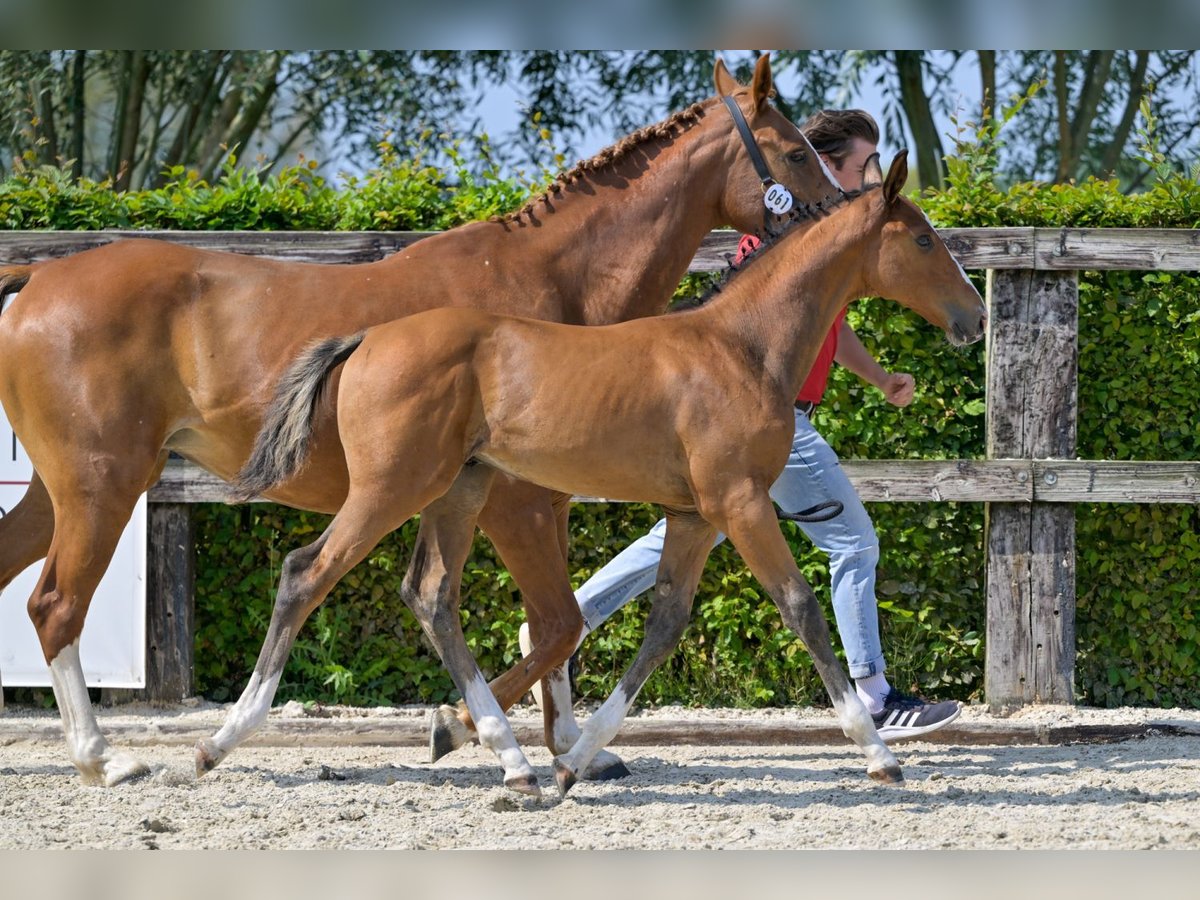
(787, 158)
(909, 262)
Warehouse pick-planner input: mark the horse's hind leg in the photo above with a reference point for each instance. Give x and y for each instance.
(431, 590)
(528, 531)
(306, 578)
(688, 541)
(26, 532)
(756, 535)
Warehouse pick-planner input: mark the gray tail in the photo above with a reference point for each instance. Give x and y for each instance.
(12, 279)
(283, 441)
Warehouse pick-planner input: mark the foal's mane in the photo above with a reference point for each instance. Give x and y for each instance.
(668, 128)
(799, 217)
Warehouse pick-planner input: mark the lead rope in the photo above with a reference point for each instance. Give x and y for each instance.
(822, 512)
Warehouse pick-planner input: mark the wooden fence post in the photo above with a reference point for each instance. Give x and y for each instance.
(1032, 377)
(170, 590)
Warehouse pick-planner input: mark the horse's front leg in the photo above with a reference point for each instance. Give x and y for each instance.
(754, 530)
(688, 541)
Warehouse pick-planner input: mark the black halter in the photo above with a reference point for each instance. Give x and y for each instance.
(756, 158)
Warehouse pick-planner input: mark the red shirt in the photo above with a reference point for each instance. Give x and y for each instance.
(813, 388)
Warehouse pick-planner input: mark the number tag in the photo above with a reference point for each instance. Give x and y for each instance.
(777, 199)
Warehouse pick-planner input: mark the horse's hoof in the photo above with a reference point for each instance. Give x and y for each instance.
(208, 754)
(887, 775)
(123, 767)
(524, 784)
(606, 767)
(447, 732)
(563, 776)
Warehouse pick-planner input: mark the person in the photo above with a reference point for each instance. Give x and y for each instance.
(845, 139)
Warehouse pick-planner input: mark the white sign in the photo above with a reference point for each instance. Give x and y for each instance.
(113, 645)
(777, 199)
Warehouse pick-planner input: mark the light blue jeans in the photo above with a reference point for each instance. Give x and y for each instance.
(812, 475)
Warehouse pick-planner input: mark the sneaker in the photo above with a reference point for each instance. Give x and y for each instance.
(905, 717)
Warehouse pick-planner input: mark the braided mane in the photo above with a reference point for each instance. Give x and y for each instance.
(799, 216)
(664, 130)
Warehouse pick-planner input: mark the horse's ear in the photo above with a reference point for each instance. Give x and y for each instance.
(725, 83)
(872, 172)
(762, 88)
(896, 177)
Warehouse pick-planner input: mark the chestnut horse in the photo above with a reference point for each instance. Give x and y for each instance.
(113, 357)
(691, 411)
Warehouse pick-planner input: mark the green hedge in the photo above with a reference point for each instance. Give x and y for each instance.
(1139, 334)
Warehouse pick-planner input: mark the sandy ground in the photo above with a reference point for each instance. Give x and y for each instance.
(1140, 792)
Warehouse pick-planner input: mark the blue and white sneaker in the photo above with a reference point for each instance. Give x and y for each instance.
(905, 717)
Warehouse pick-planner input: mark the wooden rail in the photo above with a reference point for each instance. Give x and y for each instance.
(1029, 481)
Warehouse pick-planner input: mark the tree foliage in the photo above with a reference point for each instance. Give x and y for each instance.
(134, 115)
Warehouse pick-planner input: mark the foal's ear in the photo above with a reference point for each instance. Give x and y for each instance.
(725, 83)
(872, 172)
(762, 88)
(896, 177)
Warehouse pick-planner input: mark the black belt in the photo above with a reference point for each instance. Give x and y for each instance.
(806, 407)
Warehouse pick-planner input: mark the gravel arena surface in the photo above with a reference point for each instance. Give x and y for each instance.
(1110, 791)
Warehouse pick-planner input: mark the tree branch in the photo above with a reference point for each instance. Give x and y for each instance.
(78, 110)
(131, 119)
(920, 117)
(1137, 89)
(1065, 150)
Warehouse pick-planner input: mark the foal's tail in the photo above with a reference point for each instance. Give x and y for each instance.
(12, 279)
(283, 441)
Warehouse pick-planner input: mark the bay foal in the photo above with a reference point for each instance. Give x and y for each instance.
(113, 357)
(689, 410)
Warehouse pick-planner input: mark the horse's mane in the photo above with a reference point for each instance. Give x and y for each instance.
(667, 128)
(800, 216)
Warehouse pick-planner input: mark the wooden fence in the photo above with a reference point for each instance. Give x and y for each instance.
(1029, 480)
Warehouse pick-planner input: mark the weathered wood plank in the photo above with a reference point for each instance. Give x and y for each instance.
(170, 590)
(1164, 249)
(902, 481)
(188, 483)
(935, 480)
(1032, 373)
(1054, 249)
(297, 246)
(1110, 481)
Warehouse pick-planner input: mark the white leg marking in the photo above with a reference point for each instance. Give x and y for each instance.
(493, 728)
(601, 728)
(248, 713)
(858, 725)
(96, 761)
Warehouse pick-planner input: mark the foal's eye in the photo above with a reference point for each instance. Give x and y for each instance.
(924, 241)
(798, 156)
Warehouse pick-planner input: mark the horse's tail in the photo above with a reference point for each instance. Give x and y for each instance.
(283, 441)
(12, 279)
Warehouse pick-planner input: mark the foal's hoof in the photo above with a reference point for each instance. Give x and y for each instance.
(887, 774)
(563, 776)
(605, 767)
(208, 754)
(447, 733)
(524, 784)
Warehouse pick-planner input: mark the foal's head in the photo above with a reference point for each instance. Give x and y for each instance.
(789, 159)
(908, 262)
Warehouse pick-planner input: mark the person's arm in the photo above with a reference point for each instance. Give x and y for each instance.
(897, 387)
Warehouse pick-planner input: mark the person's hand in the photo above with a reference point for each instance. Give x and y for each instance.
(898, 387)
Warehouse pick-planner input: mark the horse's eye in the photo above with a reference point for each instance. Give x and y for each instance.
(924, 241)
(798, 156)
